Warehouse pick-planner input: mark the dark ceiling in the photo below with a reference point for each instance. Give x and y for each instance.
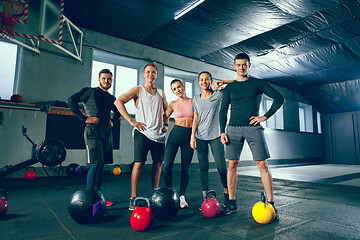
(309, 46)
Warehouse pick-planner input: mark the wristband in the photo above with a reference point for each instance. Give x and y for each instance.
(165, 124)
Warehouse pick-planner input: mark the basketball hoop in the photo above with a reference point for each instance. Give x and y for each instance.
(10, 12)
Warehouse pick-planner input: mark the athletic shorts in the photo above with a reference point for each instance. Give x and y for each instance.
(142, 145)
(255, 138)
(99, 143)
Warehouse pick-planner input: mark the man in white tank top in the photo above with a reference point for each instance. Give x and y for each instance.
(150, 127)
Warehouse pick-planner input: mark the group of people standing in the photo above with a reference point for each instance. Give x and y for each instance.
(200, 124)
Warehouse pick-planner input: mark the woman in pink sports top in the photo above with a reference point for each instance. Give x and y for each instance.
(179, 137)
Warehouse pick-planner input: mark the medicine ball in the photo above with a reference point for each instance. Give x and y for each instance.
(73, 170)
(4, 207)
(16, 98)
(87, 205)
(165, 203)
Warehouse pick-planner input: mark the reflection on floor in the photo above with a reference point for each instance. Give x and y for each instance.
(321, 173)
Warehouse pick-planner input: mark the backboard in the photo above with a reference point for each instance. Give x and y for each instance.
(43, 20)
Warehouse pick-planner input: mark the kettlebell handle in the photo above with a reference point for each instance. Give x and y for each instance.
(210, 192)
(142, 199)
(4, 192)
(263, 197)
(30, 169)
(116, 166)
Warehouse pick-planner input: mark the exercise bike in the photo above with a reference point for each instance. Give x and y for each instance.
(50, 153)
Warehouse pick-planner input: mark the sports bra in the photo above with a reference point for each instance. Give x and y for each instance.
(183, 110)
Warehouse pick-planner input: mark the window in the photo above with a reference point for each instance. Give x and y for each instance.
(302, 119)
(318, 118)
(8, 58)
(126, 78)
(170, 96)
(188, 89)
(276, 121)
(125, 73)
(305, 118)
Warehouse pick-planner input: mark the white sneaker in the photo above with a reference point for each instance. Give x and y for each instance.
(183, 203)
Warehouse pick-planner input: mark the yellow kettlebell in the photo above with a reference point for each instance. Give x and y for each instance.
(116, 170)
(263, 212)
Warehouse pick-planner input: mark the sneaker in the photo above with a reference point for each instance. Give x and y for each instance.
(131, 204)
(183, 203)
(276, 214)
(108, 203)
(231, 207)
(226, 199)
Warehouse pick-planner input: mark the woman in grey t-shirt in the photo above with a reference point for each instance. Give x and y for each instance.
(206, 132)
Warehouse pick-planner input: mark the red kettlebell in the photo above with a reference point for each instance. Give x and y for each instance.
(141, 217)
(4, 207)
(30, 173)
(210, 207)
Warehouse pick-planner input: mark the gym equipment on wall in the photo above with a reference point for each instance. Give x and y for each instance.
(50, 153)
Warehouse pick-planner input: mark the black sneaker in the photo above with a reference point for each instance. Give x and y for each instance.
(276, 214)
(231, 207)
(131, 204)
(226, 199)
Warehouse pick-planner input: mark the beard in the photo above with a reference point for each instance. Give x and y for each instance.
(105, 87)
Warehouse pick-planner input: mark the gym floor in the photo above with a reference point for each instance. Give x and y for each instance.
(314, 202)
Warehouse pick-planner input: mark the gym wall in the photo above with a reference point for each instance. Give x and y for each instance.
(342, 138)
(53, 75)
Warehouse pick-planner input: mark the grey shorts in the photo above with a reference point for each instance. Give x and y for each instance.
(99, 143)
(255, 138)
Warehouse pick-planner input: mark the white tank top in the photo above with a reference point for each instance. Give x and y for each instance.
(150, 110)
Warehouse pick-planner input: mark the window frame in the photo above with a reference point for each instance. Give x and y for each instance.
(276, 121)
(308, 118)
(318, 122)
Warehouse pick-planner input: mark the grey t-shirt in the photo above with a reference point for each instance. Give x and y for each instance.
(208, 112)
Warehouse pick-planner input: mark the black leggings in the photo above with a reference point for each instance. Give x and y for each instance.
(217, 149)
(94, 176)
(178, 137)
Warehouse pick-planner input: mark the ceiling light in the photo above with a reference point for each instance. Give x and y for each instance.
(183, 12)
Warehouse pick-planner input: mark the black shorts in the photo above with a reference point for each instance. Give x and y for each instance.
(142, 145)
